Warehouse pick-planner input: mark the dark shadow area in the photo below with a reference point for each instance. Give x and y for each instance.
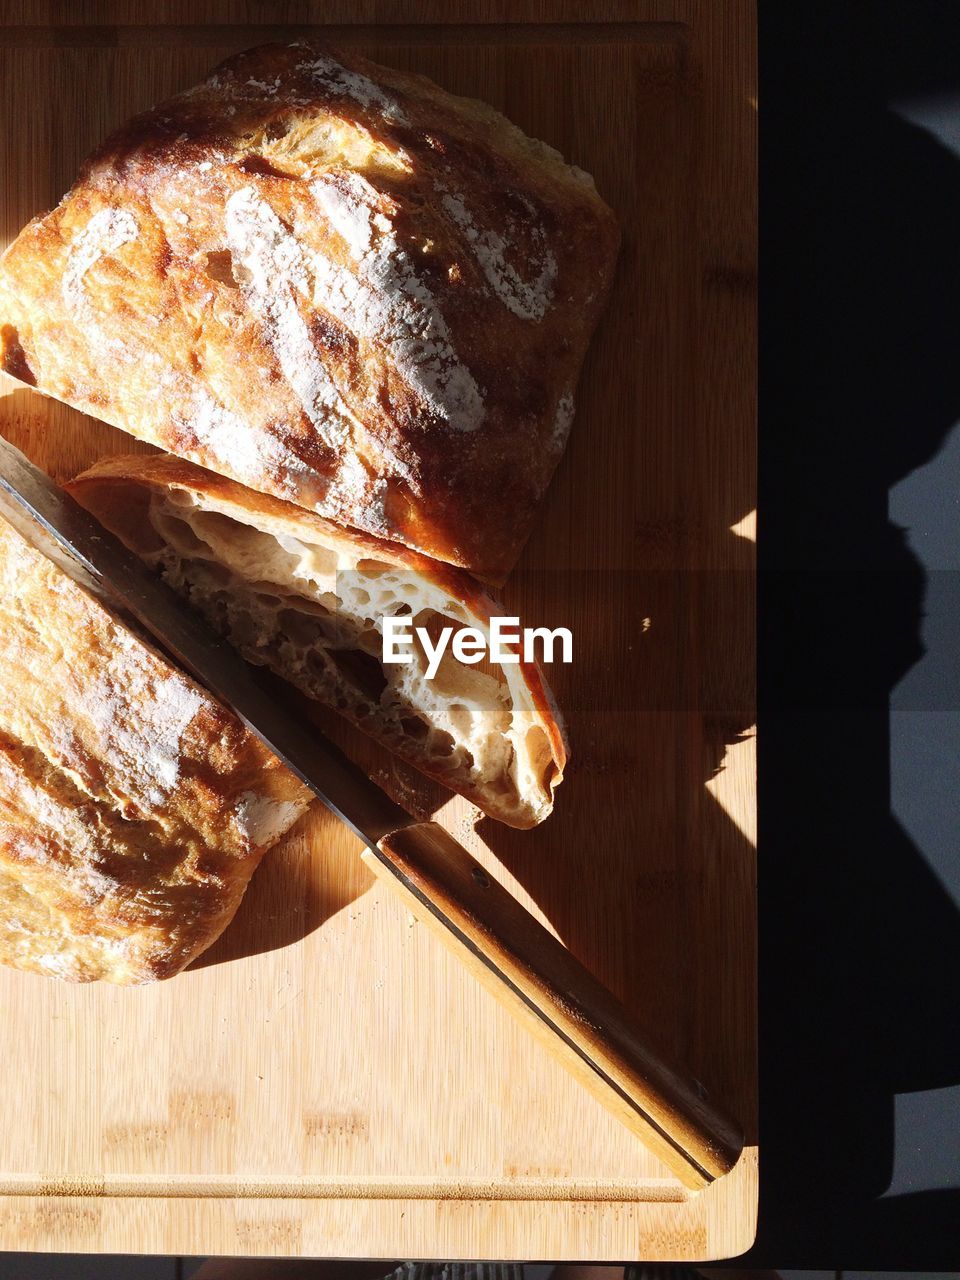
(297, 887)
(860, 382)
(95, 1266)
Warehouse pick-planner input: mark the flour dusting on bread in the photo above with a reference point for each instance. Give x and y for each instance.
(149, 745)
(106, 232)
(335, 77)
(386, 301)
(211, 431)
(528, 299)
(273, 268)
(378, 288)
(562, 422)
(121, 857)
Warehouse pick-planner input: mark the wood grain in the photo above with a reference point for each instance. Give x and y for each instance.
(329, 1081)
(546, 988)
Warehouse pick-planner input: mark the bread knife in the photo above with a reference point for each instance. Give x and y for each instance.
(528, 969)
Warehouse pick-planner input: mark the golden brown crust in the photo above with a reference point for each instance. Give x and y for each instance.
(133, 808)
(336, 283)
(117, 491)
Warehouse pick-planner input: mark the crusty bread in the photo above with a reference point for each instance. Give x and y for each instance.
(334, 282)
(133, 808)
(297, 594)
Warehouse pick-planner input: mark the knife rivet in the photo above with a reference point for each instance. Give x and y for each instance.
(481, 877)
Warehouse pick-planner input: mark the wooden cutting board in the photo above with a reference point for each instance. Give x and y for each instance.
(327, 1081)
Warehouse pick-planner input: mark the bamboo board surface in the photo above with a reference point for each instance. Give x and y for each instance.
(327, 1081)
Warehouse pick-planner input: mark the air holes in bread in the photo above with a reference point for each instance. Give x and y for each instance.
(306, 604)
(360, 670)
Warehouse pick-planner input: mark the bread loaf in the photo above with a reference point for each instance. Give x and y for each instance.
(334, 282)
(133, 808)
(307, 599)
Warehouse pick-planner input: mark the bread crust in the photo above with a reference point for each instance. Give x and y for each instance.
(133, 807)
(113, 490)
(334, 282)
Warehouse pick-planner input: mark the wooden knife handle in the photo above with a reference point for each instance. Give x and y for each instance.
(558, 1000)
